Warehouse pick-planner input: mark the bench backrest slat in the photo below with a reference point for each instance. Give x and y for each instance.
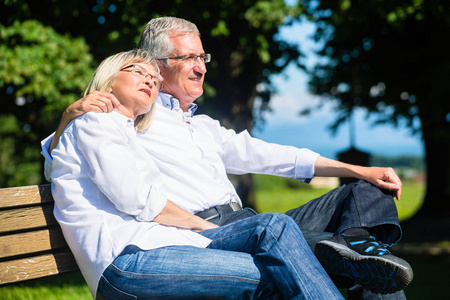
(26, 218)
(31, 242)
(42, 240)
(36, 267)
(25, 195)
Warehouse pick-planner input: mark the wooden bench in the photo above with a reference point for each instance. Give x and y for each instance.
(31, 242)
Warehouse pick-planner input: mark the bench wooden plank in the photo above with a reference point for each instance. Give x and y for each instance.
(31, 242)
(36, 267)
(25, 195)
(26, 218)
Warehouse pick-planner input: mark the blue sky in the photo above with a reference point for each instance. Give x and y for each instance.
(285, 126)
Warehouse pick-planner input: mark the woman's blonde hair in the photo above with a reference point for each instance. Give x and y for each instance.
(108, 69)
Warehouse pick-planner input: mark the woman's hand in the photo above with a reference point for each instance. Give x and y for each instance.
(173, 215)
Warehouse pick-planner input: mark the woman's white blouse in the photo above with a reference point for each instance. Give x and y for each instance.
(107, 191)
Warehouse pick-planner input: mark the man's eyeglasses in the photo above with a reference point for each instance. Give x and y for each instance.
(205, 57)
(140, 72)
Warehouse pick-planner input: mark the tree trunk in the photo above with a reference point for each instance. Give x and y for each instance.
(437, 198)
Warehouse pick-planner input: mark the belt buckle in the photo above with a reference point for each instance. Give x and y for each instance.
(235, 206)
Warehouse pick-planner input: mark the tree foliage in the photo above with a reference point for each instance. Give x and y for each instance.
(391, 57)
(40, 73)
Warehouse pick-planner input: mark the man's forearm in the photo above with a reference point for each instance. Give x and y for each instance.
(325, 167)
(384, 178)
(101, 102)
(65, 120)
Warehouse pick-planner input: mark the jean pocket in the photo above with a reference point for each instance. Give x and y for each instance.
(107, 291)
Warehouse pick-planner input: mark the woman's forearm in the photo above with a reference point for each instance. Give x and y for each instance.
(173, 215)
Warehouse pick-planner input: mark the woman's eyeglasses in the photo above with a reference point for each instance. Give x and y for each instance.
(140, 72)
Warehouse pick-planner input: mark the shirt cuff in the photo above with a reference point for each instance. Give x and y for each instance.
(154, 206)
(45, 145)
(304, 165)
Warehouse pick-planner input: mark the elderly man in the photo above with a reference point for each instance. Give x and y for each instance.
(349, 228)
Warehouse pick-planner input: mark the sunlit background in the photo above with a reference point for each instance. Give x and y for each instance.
(284, 124)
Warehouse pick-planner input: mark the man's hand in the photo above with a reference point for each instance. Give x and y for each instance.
(384, 178)
(102, 102)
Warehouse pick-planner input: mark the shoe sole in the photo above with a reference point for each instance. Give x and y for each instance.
(376, 274)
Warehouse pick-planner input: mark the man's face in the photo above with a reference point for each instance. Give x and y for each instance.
(184, 79)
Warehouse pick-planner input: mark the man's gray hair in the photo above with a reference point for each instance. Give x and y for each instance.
(157, 33)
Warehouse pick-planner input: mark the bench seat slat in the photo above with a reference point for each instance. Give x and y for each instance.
(31, 242)
(26, 218)
(36, 267)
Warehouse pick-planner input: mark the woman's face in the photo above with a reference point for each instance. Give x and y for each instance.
(136, 87)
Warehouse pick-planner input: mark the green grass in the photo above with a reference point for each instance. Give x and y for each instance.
(62, 287)
(273, 194)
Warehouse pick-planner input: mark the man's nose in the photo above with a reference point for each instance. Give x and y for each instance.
(200, 66)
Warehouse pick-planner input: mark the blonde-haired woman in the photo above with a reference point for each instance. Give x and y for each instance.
(131, 242)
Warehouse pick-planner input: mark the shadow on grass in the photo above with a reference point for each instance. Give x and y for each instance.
(431, 277)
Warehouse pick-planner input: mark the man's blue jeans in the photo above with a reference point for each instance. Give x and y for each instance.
(261, 257)
(357, 204)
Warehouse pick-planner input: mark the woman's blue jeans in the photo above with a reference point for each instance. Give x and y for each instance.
(260, 257)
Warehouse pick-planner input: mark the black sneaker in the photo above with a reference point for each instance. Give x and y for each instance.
(366, 261)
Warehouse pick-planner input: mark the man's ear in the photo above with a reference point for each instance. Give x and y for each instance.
(161, 77)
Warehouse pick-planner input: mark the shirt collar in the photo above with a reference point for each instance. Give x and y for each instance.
(170, 102)
(128, 122)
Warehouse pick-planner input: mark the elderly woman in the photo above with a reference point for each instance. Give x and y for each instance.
(131, 242)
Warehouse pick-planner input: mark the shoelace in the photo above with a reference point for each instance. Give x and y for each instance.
(368, 245)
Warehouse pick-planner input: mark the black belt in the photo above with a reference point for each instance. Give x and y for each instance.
(215, 211)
